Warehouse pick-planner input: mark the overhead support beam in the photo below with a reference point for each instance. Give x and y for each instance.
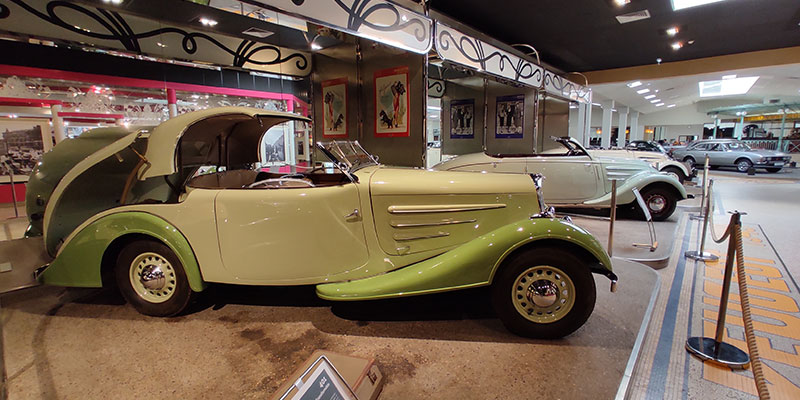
(605, 139)
(754, 59)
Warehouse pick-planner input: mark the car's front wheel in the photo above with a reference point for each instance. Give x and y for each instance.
(151, 278)
(660, 201)
(676, 172)
(544, 292)
(743, 165)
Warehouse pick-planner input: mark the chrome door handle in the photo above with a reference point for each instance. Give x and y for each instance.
(352, 214)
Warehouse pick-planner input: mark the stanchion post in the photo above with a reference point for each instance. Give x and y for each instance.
(715, 350)
(703, 193)
(700, 254)
(613, 217)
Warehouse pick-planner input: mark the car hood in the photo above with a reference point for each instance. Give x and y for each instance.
(768, 153)
(473, 159)
(410, 181)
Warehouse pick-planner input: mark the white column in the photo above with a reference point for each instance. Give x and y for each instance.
(587, 124)
(574, 122)
(622, 125)
(58, 123)
(605, 142)
(637, 133)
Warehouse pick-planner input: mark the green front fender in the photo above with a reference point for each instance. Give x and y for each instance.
(79, 262)
(640, 181)
(472, 264)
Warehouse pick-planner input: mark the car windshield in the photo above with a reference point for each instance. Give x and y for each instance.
(738, 146)
(349, 155)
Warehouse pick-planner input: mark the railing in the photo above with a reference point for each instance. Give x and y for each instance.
(714, 349)
(787, 145)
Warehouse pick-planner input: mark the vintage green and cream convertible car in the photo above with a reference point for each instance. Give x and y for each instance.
(578, 178)
(128, 207)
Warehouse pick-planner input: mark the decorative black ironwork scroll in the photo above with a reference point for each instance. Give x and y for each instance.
(119, 30)
(558, 84)
(473, 50)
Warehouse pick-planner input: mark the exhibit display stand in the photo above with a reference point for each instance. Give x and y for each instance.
(327, 375)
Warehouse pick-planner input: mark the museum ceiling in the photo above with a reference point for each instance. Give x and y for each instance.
(585, 35)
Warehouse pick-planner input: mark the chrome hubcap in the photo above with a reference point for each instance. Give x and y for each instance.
(543, 294)
(657, 203)
(152, 277)
(744, 166)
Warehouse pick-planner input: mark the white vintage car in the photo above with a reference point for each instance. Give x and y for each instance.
(579, 179)
(660, 161)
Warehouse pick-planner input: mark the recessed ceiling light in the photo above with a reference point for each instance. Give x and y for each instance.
(672, 31)
(643, 91)
(671, 105)
(649, 96)
(659, 104)
(658, 60)
(728, 76)
(727, 87)
(676, 45)
(655, 101)
(208, 21)
(635, 84)
(621, 2)
(681, 4)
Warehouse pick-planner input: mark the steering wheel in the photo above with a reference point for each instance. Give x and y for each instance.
(278, 183)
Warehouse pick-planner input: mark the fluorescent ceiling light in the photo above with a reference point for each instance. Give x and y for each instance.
(649, 96)
(727, 87)
(635, 84)
(655, 101)
(208, 21)
(728, 76)
(681, 4)
(659, 104)
(671, 105)
(643, 91)
(672, 31)
(621, 2)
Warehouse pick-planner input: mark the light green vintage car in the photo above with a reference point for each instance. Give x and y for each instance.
(129, 207)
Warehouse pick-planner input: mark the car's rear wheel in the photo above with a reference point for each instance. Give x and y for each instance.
(676, 172)
(690, 161)
(660, 201)
(742, 165)
(151, 278)
(544, 292)
(773, 170)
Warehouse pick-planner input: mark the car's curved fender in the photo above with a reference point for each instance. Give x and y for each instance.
(79, 261)
(472, 264)
(640, 181)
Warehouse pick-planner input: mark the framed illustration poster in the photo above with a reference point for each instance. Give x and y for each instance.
(334, 107)
(462, 119)
(391, 102)
(22, 143)
(510, 112)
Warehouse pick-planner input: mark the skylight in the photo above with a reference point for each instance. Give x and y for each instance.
(649, 96)
(681, 4)
(635, 84)
(727, 87)
(643, 91)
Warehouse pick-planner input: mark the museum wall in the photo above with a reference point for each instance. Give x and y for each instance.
(553, 120)
(399, 150)
(454, 91)
(334, 63)
(526, 143)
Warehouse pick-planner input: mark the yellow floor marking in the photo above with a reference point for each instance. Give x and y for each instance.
(775, 301)
(772, 283)
(760, 260)
(790, 324)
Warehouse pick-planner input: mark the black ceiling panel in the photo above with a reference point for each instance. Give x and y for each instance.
(584, 35)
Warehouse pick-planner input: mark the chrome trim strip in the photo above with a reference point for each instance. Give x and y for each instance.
(443, 222)
(401, 238)
(442, 208)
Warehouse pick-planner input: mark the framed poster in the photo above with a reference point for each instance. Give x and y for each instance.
(22, 143)
(510, 112)
(462, 119)
(334, 107)
(391, 102)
